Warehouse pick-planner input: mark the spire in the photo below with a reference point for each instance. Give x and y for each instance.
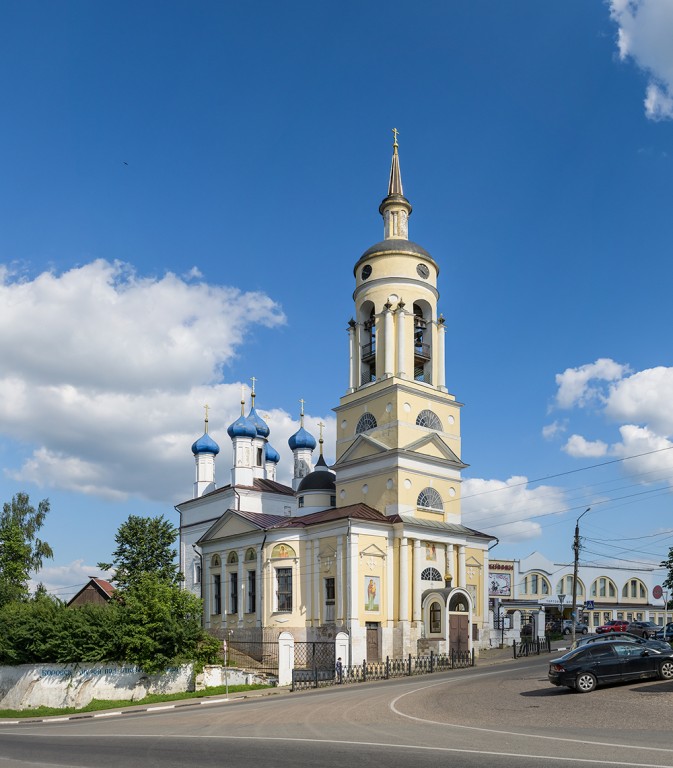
(206, 406)
(395, 183)
(395, 208)
(301, 413)
(321, 441)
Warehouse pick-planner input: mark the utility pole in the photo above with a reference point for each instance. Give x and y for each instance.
(576, 549)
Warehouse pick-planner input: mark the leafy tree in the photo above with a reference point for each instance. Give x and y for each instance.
(144, 546)
(162, 626)
(21, 551)
(668, 565)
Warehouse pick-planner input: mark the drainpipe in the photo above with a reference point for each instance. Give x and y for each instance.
(200, 556)
(497, 541)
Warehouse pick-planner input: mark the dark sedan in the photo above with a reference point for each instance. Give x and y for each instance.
(643, 628)
(625, 637)
(583, 668)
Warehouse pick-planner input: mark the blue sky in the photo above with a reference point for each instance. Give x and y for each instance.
(187, 186)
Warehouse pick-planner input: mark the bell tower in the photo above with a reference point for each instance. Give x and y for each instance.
(398, 428)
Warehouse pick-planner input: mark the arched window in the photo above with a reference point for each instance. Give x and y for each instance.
(215, 561)
(232, 558)
(250, 555)
(429, 419)
(368, 349)
(603, 587)
(565, 586)
(435, 618)
(536, 584)
(365, 423)
(634, 588)
(431, 574)
(422, 337)
(428, 498)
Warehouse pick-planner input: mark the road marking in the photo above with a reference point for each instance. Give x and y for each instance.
(393, 707)
(156, 709)
(102, 714)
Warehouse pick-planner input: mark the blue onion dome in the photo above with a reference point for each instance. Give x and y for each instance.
(302, 439)
(242, 427)
(271, 454)
(205, 444)
(261, 426)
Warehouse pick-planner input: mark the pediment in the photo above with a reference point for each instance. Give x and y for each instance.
(433, 445)
(230, 524)
(372, 551)
(362, 447)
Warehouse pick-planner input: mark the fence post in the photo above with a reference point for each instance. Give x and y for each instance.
(514, 647)
(387, 667)
(472, 659)
(364, 671)
(431, 660)
(409, 672)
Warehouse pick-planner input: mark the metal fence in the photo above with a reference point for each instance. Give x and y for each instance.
(531, 646)
(380, 670)
(258, 656)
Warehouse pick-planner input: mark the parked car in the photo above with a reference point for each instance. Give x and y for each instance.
(643, 628)
(614, 625)
(580, 628)
(623, 636)
(583, 668)
(668, 634)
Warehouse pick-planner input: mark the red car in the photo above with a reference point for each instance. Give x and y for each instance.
(616, 625)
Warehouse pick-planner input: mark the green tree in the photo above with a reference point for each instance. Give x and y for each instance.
(21, 551)
(668, 565)
(144, 546)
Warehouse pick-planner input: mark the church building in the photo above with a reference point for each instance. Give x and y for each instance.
(374, 545)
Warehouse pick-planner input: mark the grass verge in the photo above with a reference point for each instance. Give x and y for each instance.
(99, 704)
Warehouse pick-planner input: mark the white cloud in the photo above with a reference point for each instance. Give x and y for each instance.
(65, 581)
(550, 431)
(580, 386)
(645, 32)
(656, 465)
(578, 447)
(644, 398)
(104, 373)
(508, 508)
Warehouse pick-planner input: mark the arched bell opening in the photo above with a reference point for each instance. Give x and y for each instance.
(422, 341)
(367, 343)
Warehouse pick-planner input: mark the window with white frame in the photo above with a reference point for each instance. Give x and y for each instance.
(284, 590)
(435, 618)
(217, 593)
(428, 498)
(233, 592)
(330, 598)
(635, 589)
(252, 591)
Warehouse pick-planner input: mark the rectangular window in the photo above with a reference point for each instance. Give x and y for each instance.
(233, 594)
(197, 573)
(329, 599)
(252, 591)
(217, 593)
(284, 593)
(533, 583)
(259, 457)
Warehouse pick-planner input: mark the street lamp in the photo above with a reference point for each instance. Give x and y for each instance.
(576, 547)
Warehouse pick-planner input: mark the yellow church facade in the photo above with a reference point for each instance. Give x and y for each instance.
(374, 545)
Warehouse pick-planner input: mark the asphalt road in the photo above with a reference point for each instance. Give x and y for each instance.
(506, 715)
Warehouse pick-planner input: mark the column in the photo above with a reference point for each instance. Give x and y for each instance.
(306, 582)
(401, 361)
(316, 583)
(340, 587)
(357, 367)
(353, 557)
(353, 356)
(450, 566)
(259, 588)
(416, 581)
(240, 597)
(441, 354)
(484, 613)
(462, 580)
(390, 586)
(388, 341)
(404, 581)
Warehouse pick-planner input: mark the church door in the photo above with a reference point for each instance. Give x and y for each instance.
(459, 631)
(373, 647)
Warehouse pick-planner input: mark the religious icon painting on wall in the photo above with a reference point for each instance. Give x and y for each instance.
(282, 550)
(430, 551)
(372, 590)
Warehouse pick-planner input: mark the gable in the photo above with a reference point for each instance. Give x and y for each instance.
(433, 445)
(362, 447)
(230, 524)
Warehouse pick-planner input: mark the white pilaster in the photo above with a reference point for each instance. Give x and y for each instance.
(416, 577)
(205, 474)
(462, 580)
(450, 565)
(388, 342)
(317, 592)
(240, 597)
(390, 586)
(404, 581)
(441, 356)
(340, 587)
(241, 472)
(401, 358)
(358, 355)
(484, 613)
(353, 356)
(308, 559)
(259, 597)
(353, 558)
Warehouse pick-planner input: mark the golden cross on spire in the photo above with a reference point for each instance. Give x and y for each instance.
(206, 406)
(302, 406)
(253, 380)
(321, 426)
(395, 132)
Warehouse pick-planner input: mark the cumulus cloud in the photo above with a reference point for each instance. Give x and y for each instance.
(103, 369)
(581, 386)
(644, 398)
(578, 447)
(645, 31)
(556, 428)
(508, 508)
(65, 581)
